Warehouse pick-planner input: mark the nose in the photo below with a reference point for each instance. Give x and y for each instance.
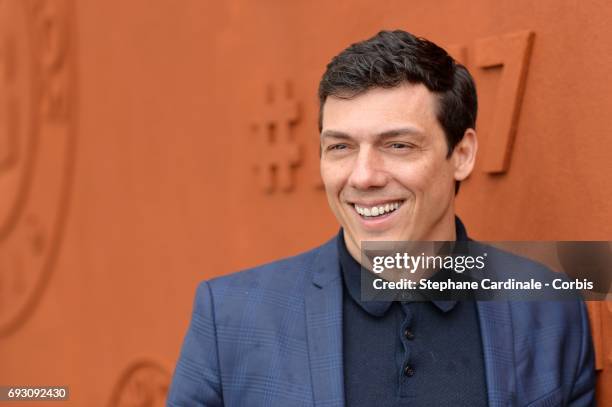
(368, 170)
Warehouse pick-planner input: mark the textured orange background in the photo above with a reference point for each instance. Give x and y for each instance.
(152, 182)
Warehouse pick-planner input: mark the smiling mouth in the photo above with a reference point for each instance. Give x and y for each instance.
(377, 211)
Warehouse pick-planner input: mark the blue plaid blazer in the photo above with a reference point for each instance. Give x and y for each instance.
(272, 336)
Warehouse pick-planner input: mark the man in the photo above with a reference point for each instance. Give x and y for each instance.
(397, 119)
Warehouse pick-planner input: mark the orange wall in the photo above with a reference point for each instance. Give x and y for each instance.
(131, 166)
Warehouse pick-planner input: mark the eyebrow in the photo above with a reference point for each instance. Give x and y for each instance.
(385, 134)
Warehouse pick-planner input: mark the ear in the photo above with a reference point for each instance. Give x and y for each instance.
(464, 155)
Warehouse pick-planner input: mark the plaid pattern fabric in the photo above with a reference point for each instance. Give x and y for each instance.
(272, 336)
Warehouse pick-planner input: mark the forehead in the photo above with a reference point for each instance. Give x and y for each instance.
(379, 109)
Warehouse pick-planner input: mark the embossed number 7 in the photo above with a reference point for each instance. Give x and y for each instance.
(512, 52)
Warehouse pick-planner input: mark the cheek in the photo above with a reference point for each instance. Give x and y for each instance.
(332, 187)
(416, 177)
(426, 177)
(327, 176)
(333, 176)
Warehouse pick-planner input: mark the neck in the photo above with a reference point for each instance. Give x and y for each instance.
(443, 231)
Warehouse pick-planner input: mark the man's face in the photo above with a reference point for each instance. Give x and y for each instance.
(385, 167)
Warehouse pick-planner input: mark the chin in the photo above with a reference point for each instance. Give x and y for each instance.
(379, 237)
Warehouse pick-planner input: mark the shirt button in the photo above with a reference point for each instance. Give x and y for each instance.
(408, 334)
(409, 371)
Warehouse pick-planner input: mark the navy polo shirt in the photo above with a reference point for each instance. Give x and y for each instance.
(409, 353)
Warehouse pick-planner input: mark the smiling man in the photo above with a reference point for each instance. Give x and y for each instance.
(389, 170)
(397, 120)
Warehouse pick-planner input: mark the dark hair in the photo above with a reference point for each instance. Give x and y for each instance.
(392, 57)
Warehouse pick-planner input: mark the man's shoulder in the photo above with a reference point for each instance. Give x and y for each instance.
(278, 273)
(541, 308)
(508, 264)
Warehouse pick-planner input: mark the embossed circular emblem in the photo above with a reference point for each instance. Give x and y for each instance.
(144, 384)
(37, 120)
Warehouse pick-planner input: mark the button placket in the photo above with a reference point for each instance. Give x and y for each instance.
(406, 334)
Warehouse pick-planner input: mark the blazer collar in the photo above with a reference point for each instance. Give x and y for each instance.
(323, 307)
(326, 266)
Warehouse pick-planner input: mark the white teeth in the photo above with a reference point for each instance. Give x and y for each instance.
(377, 210)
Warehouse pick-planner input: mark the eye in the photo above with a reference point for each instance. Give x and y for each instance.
(337, 147)
(399, 146)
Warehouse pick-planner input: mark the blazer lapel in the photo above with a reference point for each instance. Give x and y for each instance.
(323, 301)
(498, 346)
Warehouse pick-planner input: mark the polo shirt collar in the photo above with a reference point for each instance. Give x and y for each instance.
(351, 274)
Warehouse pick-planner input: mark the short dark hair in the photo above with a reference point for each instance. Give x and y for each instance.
(392, 57)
